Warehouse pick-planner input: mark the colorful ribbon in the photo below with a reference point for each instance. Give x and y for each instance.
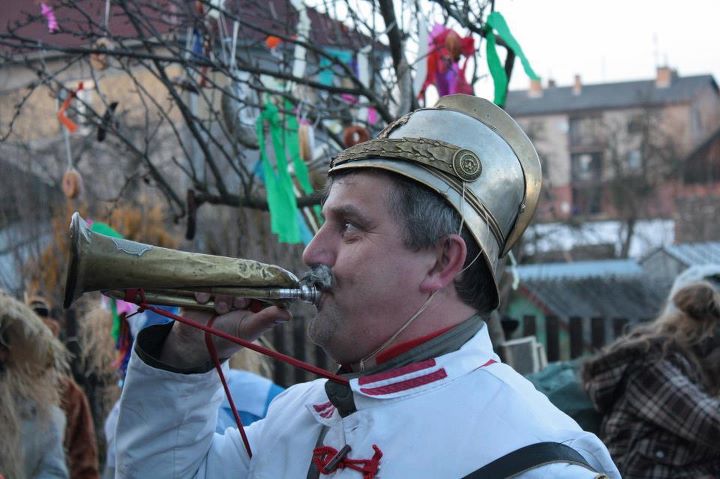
(326, 73)
(496, 22)
(62, 117)
(278, 182)
(49, 14)
(443, 61)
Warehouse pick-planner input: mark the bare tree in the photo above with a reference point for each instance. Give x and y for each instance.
(171, 90)
(641, 156)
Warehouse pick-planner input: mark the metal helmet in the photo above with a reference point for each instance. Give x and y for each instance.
(470, 152)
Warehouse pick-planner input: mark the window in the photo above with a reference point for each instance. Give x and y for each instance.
(587, 200)
(586, 166)
(586, 131)
(635, 125)
(634, 160)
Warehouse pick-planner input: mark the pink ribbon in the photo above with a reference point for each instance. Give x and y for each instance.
(49, 14)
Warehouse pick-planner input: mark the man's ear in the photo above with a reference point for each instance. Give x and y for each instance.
(450, 254)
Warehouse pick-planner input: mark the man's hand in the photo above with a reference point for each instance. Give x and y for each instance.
(185, 345)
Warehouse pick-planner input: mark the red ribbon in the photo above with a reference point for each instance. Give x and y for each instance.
(67, 122)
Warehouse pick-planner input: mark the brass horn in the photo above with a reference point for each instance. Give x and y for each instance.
(171, 277)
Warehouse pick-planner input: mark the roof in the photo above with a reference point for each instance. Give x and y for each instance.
(633, 298)
(580, 270)
(691, 254)
(603, 96)
(86, 17)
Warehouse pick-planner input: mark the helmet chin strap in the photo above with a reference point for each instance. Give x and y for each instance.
(427, 301)
(399, 331)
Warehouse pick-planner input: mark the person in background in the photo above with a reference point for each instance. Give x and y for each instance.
(80, 442)
(659, 386)
(32, 424)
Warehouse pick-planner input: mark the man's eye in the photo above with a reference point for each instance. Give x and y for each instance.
(349, 227)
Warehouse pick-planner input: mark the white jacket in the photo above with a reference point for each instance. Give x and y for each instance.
(439, 418)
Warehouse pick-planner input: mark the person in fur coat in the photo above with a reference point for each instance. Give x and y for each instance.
(31, 362)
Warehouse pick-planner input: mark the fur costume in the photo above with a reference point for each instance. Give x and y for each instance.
(29, 387)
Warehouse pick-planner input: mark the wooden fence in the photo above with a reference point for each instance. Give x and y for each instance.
(581, 335)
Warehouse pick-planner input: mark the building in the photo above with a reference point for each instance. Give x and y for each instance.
(625, 151)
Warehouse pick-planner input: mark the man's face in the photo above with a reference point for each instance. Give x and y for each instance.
(376, 278)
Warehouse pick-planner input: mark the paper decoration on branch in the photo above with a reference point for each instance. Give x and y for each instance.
(62, 117)
(423, 49)
(272, 42)
(99, 61)
(306, 134)
(239, 117)
(72, 184)
(355, 134)
(444, 68)
(49, 14)
(303, 35)
(278, 182)
(496, 23)
(326, 74)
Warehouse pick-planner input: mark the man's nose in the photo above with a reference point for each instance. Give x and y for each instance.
(318, 251)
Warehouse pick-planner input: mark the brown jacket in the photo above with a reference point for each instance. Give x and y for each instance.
(80, 444)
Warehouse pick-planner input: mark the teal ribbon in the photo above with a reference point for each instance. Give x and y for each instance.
(285, 217)
(325, 71)
(496, 22)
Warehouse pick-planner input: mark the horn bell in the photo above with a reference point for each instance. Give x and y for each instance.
(100, 263)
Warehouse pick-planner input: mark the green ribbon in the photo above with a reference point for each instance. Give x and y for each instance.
(301, 171)
(116, 320)
(107, 230)
(496, 21)
(278, 183)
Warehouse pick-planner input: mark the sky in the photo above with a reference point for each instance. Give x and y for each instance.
(613, 40)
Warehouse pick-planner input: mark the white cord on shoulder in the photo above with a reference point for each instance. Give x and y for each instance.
(399, 331)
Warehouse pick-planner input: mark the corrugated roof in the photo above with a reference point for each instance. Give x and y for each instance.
(635, 298)
(580, 269)
(604, 96)
(695, 253)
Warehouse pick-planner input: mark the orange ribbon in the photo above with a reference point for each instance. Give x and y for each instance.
(67, 122)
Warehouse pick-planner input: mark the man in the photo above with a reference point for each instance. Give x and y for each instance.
(415, 222)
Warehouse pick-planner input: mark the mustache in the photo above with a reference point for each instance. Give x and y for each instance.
(320, 276)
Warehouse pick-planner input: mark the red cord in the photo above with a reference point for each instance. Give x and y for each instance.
(137, 296)
(218, 368)
(323, 455)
